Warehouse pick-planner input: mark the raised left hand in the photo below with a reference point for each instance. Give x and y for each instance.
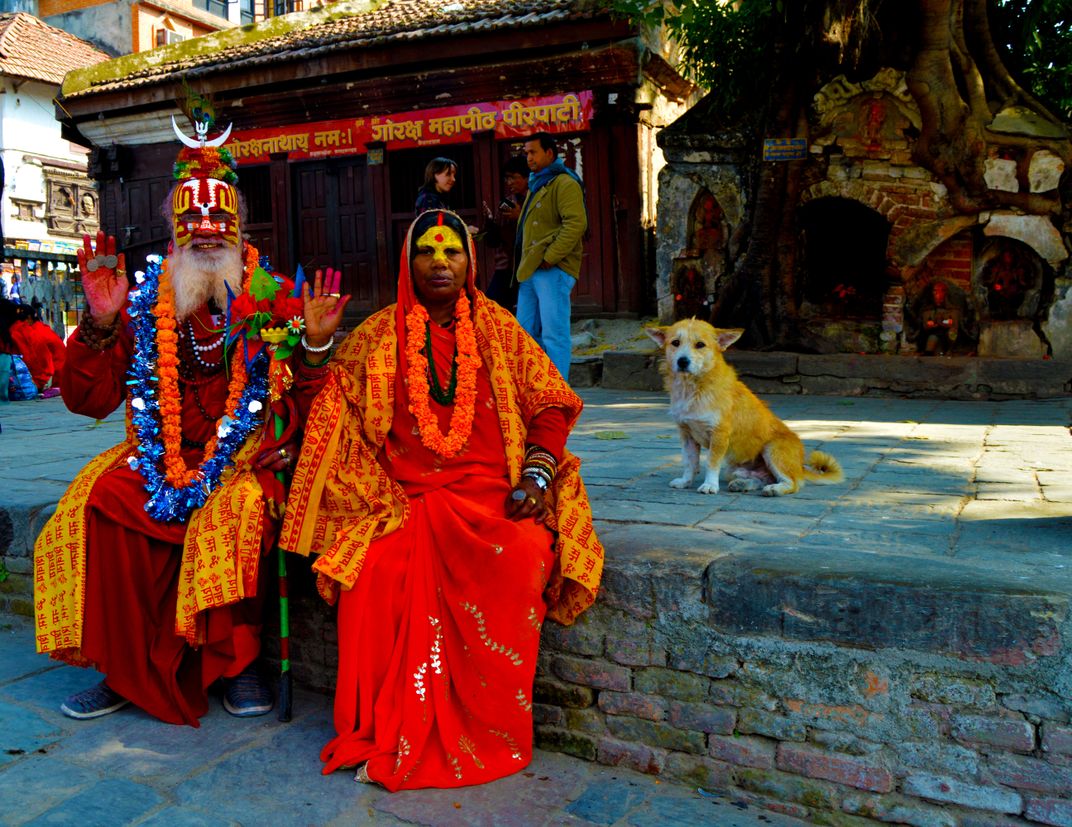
(323, 306)
(531, 505)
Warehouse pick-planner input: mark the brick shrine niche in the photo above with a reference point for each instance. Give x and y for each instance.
(941, 313)
(844, 261)
(696, 273)
(1011, 286)
(1008, 280)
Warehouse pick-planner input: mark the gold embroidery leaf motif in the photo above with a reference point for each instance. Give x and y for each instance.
(469, 748)
(403, 751)
(511, 742)
(478, 616)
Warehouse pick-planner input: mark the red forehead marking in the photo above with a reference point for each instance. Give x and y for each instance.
(439, 237)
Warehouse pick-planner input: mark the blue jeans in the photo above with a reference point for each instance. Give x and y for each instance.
(543, 309)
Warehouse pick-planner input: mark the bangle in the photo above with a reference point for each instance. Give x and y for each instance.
(541, 483)
(314, 365)
(321, 349)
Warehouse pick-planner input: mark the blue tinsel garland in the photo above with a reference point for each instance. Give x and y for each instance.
(167, 503)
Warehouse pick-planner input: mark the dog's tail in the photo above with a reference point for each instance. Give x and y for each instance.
(823, 468)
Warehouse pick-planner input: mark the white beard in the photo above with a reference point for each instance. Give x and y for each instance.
(200, 275)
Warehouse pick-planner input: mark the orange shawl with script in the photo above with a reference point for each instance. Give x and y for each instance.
(341, 498)
(220, 556)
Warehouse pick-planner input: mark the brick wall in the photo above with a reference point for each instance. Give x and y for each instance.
(949, 730)
(818, 731)
(836, 702)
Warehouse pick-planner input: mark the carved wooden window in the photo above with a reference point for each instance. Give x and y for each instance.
(72, 204)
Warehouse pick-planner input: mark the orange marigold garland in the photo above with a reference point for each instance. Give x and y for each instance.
(461, 418)
(175, 491)
(167, 344)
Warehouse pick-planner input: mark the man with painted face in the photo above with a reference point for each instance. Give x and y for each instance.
(151, 570)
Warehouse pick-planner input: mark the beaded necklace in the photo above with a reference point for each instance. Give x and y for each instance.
(174, 490)
(435, 390)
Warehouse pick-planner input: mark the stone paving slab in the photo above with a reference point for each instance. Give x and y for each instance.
(128, 768)
(946, 507)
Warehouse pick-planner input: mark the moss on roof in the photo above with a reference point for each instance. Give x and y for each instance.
(209, 44)
(338, 25)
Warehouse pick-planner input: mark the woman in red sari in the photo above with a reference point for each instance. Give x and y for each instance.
(450, 520)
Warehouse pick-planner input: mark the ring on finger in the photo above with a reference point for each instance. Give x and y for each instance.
(283, 455)
(530, 500)
(333, 295)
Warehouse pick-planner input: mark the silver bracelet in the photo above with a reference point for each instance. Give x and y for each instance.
(310, 349)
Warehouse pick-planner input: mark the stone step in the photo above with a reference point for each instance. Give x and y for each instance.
(953, 377)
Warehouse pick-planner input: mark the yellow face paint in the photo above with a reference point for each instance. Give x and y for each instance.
(440, 239)
(206, 208)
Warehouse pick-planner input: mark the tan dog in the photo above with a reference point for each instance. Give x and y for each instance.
(712, 407)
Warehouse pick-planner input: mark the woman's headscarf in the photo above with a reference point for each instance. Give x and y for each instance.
(407, 293)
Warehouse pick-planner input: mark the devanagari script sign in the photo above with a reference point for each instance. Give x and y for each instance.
(428, 127)
(784, 149)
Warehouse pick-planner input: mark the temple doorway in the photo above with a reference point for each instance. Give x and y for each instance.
(843, 245)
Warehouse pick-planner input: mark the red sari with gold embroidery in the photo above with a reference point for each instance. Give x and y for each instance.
(438, 639)
(441, 596)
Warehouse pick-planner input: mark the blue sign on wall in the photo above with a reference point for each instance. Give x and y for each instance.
(784, 149)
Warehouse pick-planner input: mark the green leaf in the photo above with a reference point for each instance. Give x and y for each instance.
(262, 285)
(258, 320)
(283, 350)
(611, 435)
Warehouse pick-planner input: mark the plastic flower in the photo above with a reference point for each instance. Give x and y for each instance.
(274, 335)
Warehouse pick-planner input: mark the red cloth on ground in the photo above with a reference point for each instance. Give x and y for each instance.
(42, 350)
(438, 639)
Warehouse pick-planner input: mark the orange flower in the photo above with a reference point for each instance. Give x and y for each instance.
(461, 418)
(167, 362)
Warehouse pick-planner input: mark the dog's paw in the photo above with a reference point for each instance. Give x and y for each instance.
(738, 485)
(708, 488)
(776, 490)
(681, 482)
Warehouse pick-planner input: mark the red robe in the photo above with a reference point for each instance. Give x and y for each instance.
(133, 560)
(438, 640)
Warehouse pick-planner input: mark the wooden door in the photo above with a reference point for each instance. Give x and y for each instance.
(334, 227)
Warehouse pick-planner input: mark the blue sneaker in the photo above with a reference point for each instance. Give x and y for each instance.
(92, 703)
(247, 696)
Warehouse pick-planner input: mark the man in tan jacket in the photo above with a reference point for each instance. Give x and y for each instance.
(550, 240)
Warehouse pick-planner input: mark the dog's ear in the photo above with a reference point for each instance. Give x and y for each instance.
(658, 334)
(728, 337)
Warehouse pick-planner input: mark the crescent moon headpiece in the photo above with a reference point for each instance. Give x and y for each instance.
(202, 158)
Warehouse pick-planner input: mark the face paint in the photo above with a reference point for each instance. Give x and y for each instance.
(205, 208)
(440, 239)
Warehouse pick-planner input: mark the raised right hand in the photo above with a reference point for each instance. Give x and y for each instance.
(104, 278)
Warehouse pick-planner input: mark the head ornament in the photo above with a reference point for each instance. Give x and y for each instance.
(205, 201)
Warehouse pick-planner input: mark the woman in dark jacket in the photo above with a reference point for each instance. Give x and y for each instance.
(439, 178)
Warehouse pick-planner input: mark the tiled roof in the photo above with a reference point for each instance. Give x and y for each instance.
(30, 48)
(337, 26)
